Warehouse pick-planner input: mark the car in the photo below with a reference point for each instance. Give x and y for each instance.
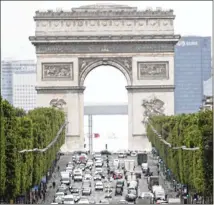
(98, 164)
(146, 195)
(117, 175)
(90, 162)
(86, 191)
(99, 170)
(99, 186)
(121, 155)
(83, 200)
(119, 191)
(87, 177)
(104, 201)
(62, 189)
(108, 195)
(68, 199)
(133, 154)
(120, 183)
(131, 197)
(86, 183)
(97, 177)
(88, 171)
(59, 197)
(82, 167)
(74, 190)
(76, 197)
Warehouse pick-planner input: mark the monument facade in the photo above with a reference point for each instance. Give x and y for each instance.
(69, 44)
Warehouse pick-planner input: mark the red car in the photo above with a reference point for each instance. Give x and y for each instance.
(117, 175)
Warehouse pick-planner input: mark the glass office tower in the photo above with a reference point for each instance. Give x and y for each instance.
(192, 68)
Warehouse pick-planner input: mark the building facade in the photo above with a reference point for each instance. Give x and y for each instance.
(24, 92)
(192, 68)
(8, 67)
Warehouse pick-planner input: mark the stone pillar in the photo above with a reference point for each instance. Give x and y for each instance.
(75, 134)
(130, 120)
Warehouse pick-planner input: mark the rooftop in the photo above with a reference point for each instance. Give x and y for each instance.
(105, 10)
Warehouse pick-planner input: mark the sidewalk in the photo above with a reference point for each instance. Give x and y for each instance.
(162, 180)
(49, 197)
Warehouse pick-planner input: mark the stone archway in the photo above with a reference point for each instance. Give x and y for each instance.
(138, 43)
(124, 64)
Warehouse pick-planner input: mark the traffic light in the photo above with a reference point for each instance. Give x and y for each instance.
(106, 146)
(84, 145)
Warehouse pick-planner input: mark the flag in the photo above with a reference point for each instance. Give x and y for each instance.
(96, 135)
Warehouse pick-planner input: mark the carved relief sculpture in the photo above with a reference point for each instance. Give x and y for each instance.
(56, 71)
(125, 62)
(152, 107)
(57, 103)
(152, 70)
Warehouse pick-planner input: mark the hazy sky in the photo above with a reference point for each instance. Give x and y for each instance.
(104, 84)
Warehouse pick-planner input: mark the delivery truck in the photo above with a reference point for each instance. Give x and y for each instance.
(129, 165)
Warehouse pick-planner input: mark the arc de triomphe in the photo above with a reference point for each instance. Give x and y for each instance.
(138, 43)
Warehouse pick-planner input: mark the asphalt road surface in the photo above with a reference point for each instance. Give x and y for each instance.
(96, 195)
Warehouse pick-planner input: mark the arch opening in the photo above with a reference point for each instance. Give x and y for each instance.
(105, 85)
(124, 70)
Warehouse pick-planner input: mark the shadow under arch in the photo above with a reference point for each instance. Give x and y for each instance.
(110, 62)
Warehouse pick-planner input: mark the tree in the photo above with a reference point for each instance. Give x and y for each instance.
(2, 155)
(193, 168)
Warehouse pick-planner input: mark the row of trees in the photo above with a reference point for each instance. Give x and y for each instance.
(191, 167)
(19, 172)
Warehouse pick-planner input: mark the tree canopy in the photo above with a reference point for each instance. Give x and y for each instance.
(194, 168)
(19, 172)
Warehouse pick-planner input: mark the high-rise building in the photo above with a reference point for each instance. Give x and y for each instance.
(24, 93)
(192, 68)
(7, 69)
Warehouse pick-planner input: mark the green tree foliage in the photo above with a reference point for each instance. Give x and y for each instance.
(194, 168)
(21, 131)
(2, 155)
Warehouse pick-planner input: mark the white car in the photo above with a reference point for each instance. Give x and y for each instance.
(147, 195)
(59, 197)
(99, 186)
(83, 201)
(68, 199)
(89, 162)
(133, 154)
(98, 170)
(88, 177)
(121, 155)
(98, 164)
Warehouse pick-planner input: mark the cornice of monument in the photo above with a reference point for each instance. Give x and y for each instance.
(150, 88)
(60, 88)
(119, 38)
(102, 11)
